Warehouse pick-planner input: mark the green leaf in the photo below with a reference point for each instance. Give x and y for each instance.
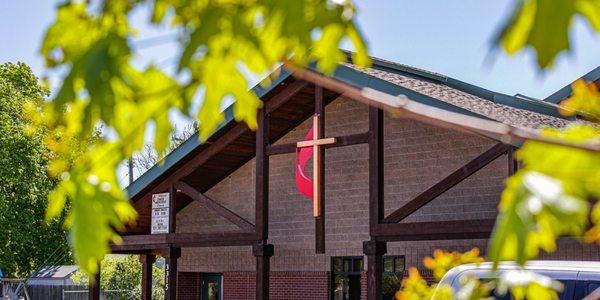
(544, 25)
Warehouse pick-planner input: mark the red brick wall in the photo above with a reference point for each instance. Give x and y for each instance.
(283, 285)
(188, 286)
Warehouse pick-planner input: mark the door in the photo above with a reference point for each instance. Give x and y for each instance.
(211, 286)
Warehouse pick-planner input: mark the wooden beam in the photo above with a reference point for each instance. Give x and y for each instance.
(171, 255)
(340, 141)
(443, 230)
(447, 183)
(513, 164)
(402, 106)
(263, 253)
(213, 148)
(147, 261)
(319, 171)
(94, 286)
(278, 100)
(374, 250)
(214, 206)
(172, 209)
(320, 142)
(262, 176)
(228, 137)
(158, 241)
(376, 180)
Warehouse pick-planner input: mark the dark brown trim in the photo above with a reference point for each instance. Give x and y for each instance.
(513, 164)
(172, 209)
(158, 241)
(171, 255)
(374, 250)
(214, 147)
(284, 96)
(147, 261)
(263, 266)
(320, 220)
(262, 176)
(94, 286)
(447, 183)
(340, 141)
(376, 180)
(215, 207)
(443, 230)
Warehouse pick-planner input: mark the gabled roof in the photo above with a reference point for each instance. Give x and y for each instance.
(388, 77)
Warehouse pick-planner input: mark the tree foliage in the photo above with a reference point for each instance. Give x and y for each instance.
(27, 241)
(121, 278)
(222, 42)
(544, 25)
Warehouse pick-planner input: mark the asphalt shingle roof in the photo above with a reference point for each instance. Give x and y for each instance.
(520, 118)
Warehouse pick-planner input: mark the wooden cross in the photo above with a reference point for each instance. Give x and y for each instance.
(316, 144)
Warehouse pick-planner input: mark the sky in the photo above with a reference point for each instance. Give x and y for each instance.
(448, 37)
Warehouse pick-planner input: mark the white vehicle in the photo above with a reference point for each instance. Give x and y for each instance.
(579, 278)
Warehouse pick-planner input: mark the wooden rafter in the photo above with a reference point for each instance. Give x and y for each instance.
(447, 183)
(214, 206)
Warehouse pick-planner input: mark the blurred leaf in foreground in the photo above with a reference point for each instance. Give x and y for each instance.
(223, 44)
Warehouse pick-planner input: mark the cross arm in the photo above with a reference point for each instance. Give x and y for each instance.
(214, 206)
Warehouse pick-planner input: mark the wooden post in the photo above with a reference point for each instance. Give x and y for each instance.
(513, 164)
(172, 209)
(171, 255)
(94, 286)
(261, 249)
(319, 172)
(372, 248)
(147, 262)
(376, 205)
(374, 251)
(263, 252)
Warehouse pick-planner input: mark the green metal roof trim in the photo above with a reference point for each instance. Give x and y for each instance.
(566, 91)
(360, 80)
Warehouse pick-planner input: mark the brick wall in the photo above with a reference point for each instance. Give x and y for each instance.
(188, 286)
(416, 157)
(283, 285)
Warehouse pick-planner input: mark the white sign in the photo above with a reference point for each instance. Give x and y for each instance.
(160, 213)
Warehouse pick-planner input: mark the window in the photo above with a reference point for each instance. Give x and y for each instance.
(393, 271)
(345, 277)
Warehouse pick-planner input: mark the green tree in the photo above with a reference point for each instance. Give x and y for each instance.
(28, 242)
(121, 275)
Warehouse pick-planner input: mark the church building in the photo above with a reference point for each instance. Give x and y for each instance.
(333, 197)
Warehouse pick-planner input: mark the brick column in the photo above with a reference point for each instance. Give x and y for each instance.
(374, 250)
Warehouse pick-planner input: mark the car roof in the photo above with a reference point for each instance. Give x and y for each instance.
(547, 265)
(556, 269)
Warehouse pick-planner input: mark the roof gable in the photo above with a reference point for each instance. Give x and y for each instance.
(388, 77)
